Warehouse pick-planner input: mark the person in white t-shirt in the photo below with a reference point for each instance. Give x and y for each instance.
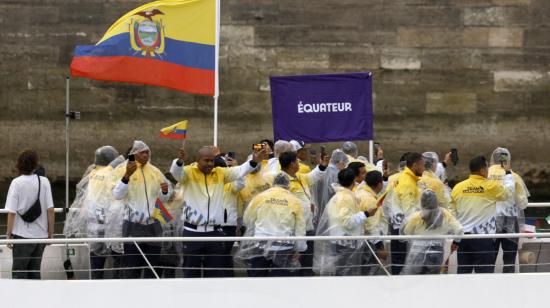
(22, 195)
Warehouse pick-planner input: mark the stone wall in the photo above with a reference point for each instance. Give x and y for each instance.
(471, 74)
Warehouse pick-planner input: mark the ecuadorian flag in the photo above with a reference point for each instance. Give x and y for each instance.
(160, 213)
(167, 43)
(176, 131)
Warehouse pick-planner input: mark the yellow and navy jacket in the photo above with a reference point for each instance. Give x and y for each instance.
(300, 186)
(276, 212)
(473, 202)
(204, 193)
(518, 201)
(140, 194)
(430, 180)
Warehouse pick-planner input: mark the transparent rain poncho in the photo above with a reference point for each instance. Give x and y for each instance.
(274, 212)
(138, 147)
(341, 217)
(323, 190)
(426, 256)
(510, 213)
(172, 252)
(94, 212)
(430, 180)
(350, 149)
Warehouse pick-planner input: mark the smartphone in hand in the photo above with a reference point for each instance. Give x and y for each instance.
(454, 156)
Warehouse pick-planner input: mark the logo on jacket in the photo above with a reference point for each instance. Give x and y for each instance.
(147, 34)
(474, 190)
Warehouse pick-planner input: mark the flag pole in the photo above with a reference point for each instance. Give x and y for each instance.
(371, 152)
(67, 123)
(216, 85)
(371, 142)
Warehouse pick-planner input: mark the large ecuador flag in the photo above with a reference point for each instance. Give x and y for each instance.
(167, 43)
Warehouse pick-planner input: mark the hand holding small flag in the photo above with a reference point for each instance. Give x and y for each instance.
(175, 131)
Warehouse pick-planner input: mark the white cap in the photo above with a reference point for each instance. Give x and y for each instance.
(297, 145)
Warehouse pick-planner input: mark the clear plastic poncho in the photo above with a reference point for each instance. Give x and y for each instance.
(506, 221)
(350, 148)
(94, 211)
(172, 252)
(262, 219)
(341, 217)
(323, 190)
(426, 256)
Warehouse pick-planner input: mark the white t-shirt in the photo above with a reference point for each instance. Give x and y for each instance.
(21, 196)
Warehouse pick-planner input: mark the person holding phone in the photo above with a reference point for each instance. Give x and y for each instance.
(203, 212)
(24, 192)
(510, 210)
(138, 185)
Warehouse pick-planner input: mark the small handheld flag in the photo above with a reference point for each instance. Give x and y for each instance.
(381, 200)
(161, 214)
(175, 131)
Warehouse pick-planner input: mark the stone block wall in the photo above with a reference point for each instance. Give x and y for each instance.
(471, 74)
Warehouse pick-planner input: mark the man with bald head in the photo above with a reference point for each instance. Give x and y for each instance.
(203, 212)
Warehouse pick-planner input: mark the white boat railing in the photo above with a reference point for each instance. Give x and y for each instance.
(530, 205)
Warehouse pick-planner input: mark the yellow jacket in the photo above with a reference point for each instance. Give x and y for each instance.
(518, 201)
(392, 180)
(407, 190)
(204, 193)
(415, 225)
(141, 192)
(473, 202)
(366, 197)
(98, 189)
(304, 168)
(254, 183)
(276, 212)
(403, 199)
(431, 181)
(343, 214)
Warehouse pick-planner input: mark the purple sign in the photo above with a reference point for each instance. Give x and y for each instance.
(322, 108)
